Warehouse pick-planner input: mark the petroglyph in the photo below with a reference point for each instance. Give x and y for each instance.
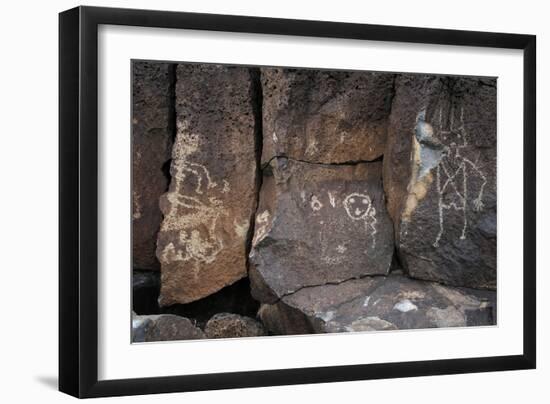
(202, 242)
(315, 203)
(332, 199)
(452, 174)
(241, 229)
(359, 207)
(197, 233)
(136, 199)
(324, 224)
(226, 187)
(341, 249)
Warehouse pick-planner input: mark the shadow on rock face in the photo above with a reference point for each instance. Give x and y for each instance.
(145, 291)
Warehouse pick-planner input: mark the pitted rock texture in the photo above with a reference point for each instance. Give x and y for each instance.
(380, 303)
(318, 224)
(440, 178)
(229, 325)
(324, 116)
(280, 319)
(211, 201)
(152, 132)
(163, 327)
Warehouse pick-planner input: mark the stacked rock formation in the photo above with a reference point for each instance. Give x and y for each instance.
(339, 201)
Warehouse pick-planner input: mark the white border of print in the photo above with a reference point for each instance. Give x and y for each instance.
(119, 359)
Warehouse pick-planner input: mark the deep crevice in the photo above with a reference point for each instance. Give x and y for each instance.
(396, 262)
(256, 99)
(391, 98)
(172, 122)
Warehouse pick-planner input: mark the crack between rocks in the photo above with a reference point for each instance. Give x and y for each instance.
(336, 283)
(173, 126)
(392, 99)
(344, 163)
(257, 110)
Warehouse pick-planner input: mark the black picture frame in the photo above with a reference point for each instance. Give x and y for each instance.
(78, 201)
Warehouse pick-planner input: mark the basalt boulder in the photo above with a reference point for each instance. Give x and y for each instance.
(163, 327)
(318, 224)
(440, 178)
(208, 209)
(395, 302)
(152, 133)
(325, 116)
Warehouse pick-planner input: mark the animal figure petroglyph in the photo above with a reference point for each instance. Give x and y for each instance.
(194, 215)
(453, 170)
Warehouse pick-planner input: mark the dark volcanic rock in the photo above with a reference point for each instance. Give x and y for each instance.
(325, 116)
(440, 178)
(152, 132)
(163, 327)
(212, 197)
(318, 224)
(228, 325)
(280, 319)
(383, 303)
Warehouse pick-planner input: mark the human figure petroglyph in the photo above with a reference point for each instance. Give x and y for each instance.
(194, 214)
(454, 169)
(359, 207)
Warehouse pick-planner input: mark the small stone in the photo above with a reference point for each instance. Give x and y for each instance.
(318, 224)
(280, 319)
(228, 325)
(324, 116)
(163, 327)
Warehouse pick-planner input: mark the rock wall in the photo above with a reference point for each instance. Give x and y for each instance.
(440, 178)
(313, 200)
(211, 201)
(152, 134)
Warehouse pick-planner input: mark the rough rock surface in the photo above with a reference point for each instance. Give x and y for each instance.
(318, 224)
(380, 303)
(440, 178)
(152, 132)
(163, 327)
(212, 196)
(325, 116)
(280, 319)
(228, 325)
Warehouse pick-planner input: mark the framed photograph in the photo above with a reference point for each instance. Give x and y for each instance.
(251, 201)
